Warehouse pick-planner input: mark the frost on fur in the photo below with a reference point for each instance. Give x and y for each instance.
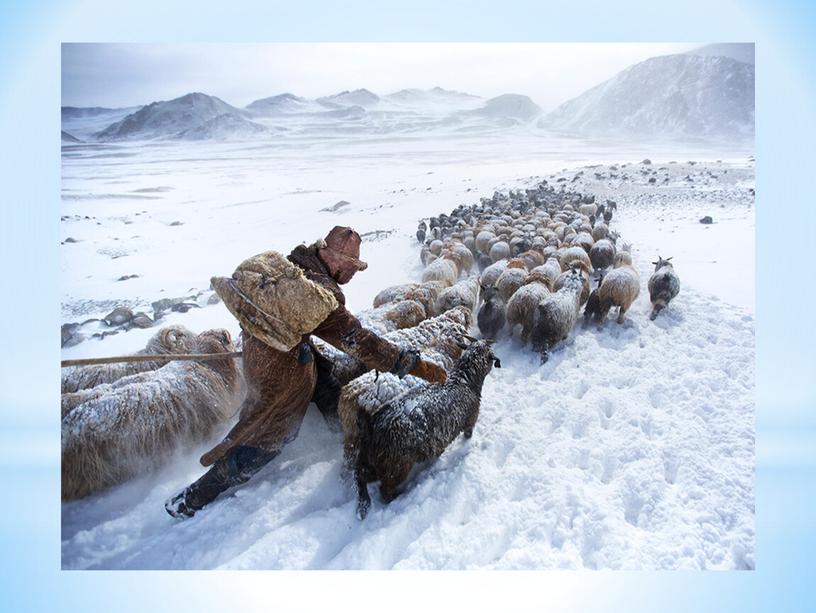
(118, 430)
(172, 339)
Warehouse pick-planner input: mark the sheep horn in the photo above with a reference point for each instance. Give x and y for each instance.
(470, 338)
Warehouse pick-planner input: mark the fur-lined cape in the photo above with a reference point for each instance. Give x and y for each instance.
(274, 301)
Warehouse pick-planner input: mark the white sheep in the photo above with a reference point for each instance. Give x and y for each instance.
(509, 281)
(393, 316)
(443, 270)
(620, 287)
(118, 430)
(464, 293)
(523, 304)
(557, 315)
(172, 339)
(492, 273)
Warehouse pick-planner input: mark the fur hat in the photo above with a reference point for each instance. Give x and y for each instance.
(341, 253)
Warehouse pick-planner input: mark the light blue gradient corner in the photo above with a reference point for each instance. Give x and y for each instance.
(30, 37)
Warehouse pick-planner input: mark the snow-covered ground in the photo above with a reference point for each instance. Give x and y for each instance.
(633, 447)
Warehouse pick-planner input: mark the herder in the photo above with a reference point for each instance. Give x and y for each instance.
(281, 382)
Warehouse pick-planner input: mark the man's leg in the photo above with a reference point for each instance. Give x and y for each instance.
(236, 467)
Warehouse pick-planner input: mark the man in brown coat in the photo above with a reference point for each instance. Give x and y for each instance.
(280, 384)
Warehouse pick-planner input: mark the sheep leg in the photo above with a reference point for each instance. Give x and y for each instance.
(525, 334)
(363, 499)
(655, 311)
(471, 423)
(389, 486)
(621, 312)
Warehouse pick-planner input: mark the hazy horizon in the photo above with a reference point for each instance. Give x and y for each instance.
(124, 75)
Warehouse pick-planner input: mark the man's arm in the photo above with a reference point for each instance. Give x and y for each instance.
(345, 332)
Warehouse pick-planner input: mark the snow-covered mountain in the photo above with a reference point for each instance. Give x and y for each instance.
(742, 52)
(69, 138)
(357, 97)
(84, 122)
(672, 95)
(435, 95)
(169, 118)
(512, 106)
(198, 116)
(280, 104)
(223, 127)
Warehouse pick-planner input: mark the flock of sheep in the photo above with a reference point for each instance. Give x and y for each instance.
(526, 260)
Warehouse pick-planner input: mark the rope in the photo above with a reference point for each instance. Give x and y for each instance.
(162, 357)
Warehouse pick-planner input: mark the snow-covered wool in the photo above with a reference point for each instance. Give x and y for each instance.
(599, 231)
(491, 317)
(492, 273)
(463, 257)
(550, 269)
(523, 304)
(509, 281)
(172, 339)
(436, 246)
(427, 294)
(437, 339)
(620, 287)
(583, 240)
(664, 285)
(517, 263)
(425, 255)
(499, 251)
(557, 314)
(581, 269)
(571, 254)
(393, 293)
(483, 240)
(519, 244)
(532, 258)
(419, 425)
(393, 316)
(441, 270)
(623, 256)
(464, 293)
(123, 429)
(602, 254)
(588, 209)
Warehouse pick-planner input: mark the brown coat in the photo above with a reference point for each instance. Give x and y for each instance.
(280, 385)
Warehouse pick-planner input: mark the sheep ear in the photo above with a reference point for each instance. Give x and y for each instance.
(667, 259)
(655, 263)
(470, 338)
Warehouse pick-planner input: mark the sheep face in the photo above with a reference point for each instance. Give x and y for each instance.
(661, 263)
(476, 363)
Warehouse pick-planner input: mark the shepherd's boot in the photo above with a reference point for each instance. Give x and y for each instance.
(235, 468)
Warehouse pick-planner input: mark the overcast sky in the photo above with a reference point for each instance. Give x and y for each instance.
(118, 75)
